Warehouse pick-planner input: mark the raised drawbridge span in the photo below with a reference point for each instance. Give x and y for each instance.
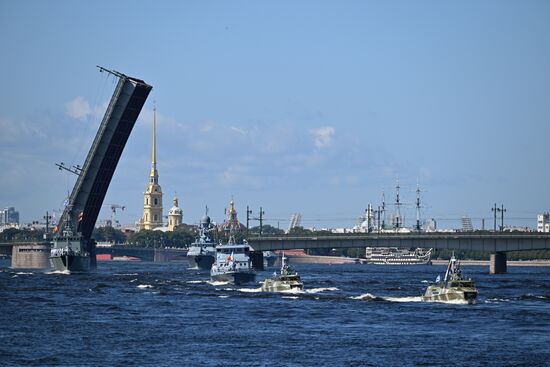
(95, 175)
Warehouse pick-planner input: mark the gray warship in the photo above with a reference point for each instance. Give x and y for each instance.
(287, 281)
(202, 252)
(73, 248)
(454, 286)
(233, 263)
(69, 253)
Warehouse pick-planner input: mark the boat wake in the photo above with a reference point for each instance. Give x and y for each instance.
(496, 300)
(250, 290)
(196, 281)
(290, 291)
(372, 297)
(319, 290)
(525, 297)
(64, 272)
(367, 297)
(217, 283)
(144, 286)
(23, 273)
(403, 299)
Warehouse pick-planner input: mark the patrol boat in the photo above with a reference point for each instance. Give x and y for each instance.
(288, 280)
(233, 263)
(202, 252)
(454, 286)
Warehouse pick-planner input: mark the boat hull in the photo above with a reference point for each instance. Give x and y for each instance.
(468, 296)
(234, 277)
(71, 263)
(396, 262)
(203, 262)
(270, 285)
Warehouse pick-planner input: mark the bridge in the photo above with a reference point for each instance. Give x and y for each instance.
(145, 253)
(496, 243)
(77, 222)
(35, 254)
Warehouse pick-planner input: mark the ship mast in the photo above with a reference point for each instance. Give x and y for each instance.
(398, 206)
(417, 207)
(383, 209)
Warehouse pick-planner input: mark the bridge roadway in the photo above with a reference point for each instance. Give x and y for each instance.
(496, 243)
(35, 254)
(145, 253)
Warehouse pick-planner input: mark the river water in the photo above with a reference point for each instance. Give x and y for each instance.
(137, 314)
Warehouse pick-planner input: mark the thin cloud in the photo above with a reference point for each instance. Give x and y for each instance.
(322, 137)
(206, 127)
(78, 108)
(239, 130)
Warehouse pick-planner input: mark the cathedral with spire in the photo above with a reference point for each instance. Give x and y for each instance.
(231, 222)
(152, 197)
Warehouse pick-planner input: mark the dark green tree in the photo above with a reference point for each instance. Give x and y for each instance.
(108, 234)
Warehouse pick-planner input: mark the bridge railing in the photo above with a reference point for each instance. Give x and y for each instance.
(472, 241)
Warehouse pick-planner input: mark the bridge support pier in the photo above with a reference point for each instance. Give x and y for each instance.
(257, 259)
(92, 252)
(160, 256)
(32, 255)
(497, 263)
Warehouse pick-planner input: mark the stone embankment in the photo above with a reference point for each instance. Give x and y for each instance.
(486, 263)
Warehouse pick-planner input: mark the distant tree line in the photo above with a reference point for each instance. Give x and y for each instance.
(182, 236)
(21, 235)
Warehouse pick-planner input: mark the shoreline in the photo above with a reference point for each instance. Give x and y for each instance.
(337, 260)
(486, 262)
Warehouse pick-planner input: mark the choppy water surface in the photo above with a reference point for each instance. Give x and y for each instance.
(163, 314)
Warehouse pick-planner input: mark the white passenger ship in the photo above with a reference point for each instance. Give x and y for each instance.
(396, 256)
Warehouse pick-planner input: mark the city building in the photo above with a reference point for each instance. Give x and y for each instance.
(467, 224)
(175, 215)
(9, 216)
(543, 222)
(431, 225)
(152, 198)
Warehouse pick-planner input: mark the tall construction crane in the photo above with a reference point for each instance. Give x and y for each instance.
(114, 207)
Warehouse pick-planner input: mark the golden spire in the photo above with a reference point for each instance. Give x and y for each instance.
(232, 205)
(154, 172)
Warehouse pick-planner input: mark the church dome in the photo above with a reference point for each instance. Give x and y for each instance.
(175, 210)
(205, 220)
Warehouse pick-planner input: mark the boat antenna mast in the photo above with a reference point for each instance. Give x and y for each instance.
(418, 206)
(383, 209)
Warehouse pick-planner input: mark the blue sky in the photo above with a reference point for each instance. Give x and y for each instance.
(313, 107)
